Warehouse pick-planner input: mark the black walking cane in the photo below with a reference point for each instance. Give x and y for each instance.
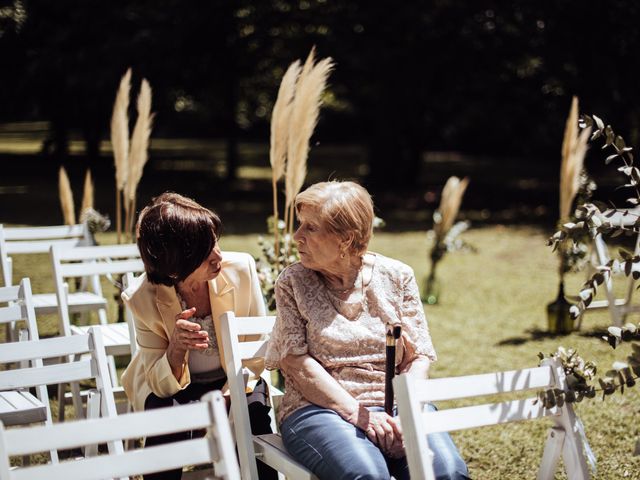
(393, 333)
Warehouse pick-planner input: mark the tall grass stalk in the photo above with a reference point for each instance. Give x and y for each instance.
(66, 197)
(280, 126)
(138, 155)
(120, 144)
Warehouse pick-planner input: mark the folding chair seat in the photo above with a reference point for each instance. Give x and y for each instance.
(563, 439)
(267, 448)
(210, 413)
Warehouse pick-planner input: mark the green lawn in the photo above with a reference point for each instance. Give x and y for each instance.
(491, 317)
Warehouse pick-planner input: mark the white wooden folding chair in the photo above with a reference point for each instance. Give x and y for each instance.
(210, 413)
(34, 240)
(93, 261)
(563, 439)
(94, 367)
(618, 307)
(267, 448)
(19, 406)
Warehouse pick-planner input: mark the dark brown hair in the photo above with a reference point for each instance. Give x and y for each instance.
(175, 235)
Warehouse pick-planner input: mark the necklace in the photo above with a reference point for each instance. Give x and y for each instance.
(350, 310)
(342, 291)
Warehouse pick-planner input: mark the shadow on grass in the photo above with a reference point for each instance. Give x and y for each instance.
(531, 335)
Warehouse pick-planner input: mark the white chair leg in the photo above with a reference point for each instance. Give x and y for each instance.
(551, 455)
(93, 411)
(113, 373)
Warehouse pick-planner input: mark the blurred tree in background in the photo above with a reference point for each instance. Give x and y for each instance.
(489, 77)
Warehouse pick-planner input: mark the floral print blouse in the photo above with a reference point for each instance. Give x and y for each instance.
(348, 337)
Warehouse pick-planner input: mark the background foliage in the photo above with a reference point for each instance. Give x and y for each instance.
(439, 75)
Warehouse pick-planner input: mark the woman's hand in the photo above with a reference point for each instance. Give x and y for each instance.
(383, 430)
(186, 336)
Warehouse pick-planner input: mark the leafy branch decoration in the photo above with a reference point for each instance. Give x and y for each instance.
(593, 218)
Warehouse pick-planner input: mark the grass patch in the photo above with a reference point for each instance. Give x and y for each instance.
(491, 317)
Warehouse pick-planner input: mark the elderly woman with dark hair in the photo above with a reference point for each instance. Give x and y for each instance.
(334, 308)
(188, 283)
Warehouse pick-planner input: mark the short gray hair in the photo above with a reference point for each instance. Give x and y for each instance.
(345, 208)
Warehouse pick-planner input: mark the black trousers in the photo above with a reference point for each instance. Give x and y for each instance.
(258, 415)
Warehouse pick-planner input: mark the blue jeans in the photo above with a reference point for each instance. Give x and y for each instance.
(334, 449)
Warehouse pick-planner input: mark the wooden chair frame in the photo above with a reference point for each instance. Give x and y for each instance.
(267, 448)
(94, 366)
(210, 413)
(20, 407)
(412, 394)
(94, 261)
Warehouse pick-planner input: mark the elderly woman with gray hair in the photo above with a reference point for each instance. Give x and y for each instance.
(334, 308)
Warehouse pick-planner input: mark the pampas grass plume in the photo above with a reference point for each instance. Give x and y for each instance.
(304, 117)
(66, 197)
(87, 193)
(452, 194)
(280, 120)
(574, 149)
(120, 130)
(138, 154)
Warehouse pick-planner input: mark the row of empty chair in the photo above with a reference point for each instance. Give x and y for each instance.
(24, 368)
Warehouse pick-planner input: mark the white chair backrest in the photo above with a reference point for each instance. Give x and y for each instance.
(92, 261)
(412, 394)
(128, 279)
(19, 306)
(235, 351)
(28, 240)
(93, 366)
(210, 413)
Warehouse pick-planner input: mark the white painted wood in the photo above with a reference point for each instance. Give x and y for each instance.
(95, 367)
(48, 348)
(575, 444)
(9, 294)
(551, 454)
(20, 407)
(271, 453)
(419, 455)
(252, 349)
(413, 394)
(38, 246)
(32, 240)
(486, 384)
(488, 414)
(216, 448)
(48, 233)
(32, 409)
(255, 325)
(92, 262)
(618, 307)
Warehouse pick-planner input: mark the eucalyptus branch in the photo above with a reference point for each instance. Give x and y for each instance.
(579, 373)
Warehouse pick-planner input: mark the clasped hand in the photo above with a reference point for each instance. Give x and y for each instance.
(188, 335)
(383, 430)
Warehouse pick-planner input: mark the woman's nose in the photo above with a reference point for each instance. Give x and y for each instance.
(216, 254)
(297, 236)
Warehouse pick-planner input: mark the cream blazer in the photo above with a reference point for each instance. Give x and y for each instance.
(155, 308)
